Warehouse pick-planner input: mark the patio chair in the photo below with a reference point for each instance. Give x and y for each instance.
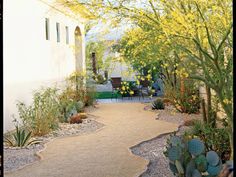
(144, 87)
(116, 84)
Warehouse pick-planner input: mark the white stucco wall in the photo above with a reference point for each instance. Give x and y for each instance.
(29, 60)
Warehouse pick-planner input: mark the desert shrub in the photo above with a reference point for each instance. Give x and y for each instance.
(81, 88)
(185, 97)
(158, 104)
(69, 104)
(216, 139)
(43, 114)
(90, 95)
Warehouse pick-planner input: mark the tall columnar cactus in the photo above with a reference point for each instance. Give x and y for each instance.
(189, 159)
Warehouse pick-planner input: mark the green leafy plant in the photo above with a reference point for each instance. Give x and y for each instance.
(158, 104)
(216, 139)
(20, 138)
(43, 114)
(188, 157)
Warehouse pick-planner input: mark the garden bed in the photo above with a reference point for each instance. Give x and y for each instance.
(153, 149)
(16, 158)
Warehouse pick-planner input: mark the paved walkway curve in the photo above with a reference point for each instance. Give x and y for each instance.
(104, 153)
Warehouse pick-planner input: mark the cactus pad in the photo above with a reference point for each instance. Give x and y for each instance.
(201, 163)
(174, 153)
(175, 140)
(214, 170)
(196, 173)
(212, 158)
(196, 147)
(190, 168)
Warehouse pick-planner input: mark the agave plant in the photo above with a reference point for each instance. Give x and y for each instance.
(21, 138)
(158, 104)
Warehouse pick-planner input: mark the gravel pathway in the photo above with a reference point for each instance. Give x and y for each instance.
(152, 150)
(16, 158)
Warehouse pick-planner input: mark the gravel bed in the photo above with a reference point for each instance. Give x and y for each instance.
(15, 158)
(153, 149)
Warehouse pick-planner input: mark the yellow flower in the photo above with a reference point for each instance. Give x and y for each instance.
(123, 88)
(149, 76)
(131, 92)
(121, 92)
(226, 101)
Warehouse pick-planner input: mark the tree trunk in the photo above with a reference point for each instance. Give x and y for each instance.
(204, 111)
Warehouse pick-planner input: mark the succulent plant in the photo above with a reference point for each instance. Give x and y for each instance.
(201, 163)
(158, 104)
(212, 158)
(196, 147)
(196, 173)
(214, 170)
(174, 153)
(175, 140)
(188, 158)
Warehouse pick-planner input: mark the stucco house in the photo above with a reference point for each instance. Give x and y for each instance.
(42, 44)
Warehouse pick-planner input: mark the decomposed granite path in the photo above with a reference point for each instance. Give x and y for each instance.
(104, 153)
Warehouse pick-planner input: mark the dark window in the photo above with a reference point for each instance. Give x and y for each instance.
(58, 32)
(47, 28)
(67, 35)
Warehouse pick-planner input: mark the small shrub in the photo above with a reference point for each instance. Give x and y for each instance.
(75, 119)
(43, 115)
(20, 138)
(158, 104)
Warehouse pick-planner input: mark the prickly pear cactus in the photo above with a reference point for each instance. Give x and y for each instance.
(201, 163)
(196, 147)
(189, 159)
(212, 158)
(174, 153)
(214, 170)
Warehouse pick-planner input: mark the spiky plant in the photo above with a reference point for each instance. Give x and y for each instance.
(21, 138)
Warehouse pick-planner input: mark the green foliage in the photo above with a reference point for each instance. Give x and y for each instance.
(100, 79)
(215, 139)
(158, 104)
(188, 157)
(186, 100)
(20, 138)
(99, 49)
(42, 115)
(127, 88)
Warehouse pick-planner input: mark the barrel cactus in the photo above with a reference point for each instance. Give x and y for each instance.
(188, 158)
